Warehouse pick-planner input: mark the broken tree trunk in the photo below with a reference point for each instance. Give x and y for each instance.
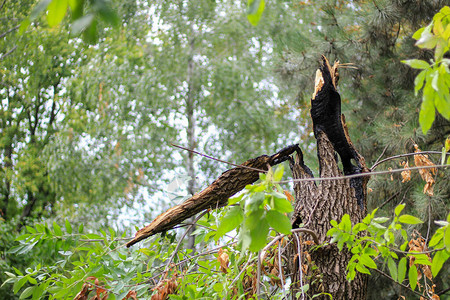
(324, 268)
(215, 195)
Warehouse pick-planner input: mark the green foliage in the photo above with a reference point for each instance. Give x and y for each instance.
(255, 9)
(370, 239)
(84, 15)
(259, 207)
(435, 77)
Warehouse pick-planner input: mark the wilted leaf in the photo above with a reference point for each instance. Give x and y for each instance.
(406, 175)
(421, 160)
(224, 260)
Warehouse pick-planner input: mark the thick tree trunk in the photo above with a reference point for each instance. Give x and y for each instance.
(324, 268)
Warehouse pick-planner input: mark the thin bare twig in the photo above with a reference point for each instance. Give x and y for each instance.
(8, 31)
(281, 270)
(403, 155)
(242, 271)
(381, 155)
(8, 53)
(258, 276)
(362, 174)
(299, 250)
(388, 200)
(216, 159)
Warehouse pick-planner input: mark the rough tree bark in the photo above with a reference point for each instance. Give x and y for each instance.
(317, 204)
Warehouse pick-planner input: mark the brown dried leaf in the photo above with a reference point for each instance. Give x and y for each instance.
(390, 170)
(421, 160)
(132, 295)
(289, 196)
(84, 293)
(406, 175)
(224, 260)
(165, 288)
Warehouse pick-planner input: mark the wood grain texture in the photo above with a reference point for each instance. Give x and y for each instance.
(317, 204)
(215, 195)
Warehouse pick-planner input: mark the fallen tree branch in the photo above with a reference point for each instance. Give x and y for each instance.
(215, 195)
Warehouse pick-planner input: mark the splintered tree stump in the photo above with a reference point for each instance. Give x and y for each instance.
(317, 204)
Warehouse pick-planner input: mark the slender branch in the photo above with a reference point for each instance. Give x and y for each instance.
(258, 276)
(401, 284)
(281, 270)
(388, 200)
(362, 174)
(216, 159)
(403, 155)
(381, 155)
(9, 30)
(8, 53)
(242, 271)
(310, 232)
(299, 250)
(443, 291)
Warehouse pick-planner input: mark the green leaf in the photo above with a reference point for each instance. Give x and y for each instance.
(399, 209)
(418, 33)
(19, 284)
(380, 219)
(236, 199)
(27, 292)
(438, 261)
(401, 269)
(107, 13)
(392, 268)
(68, 227)
(282, 205)
(258, 229)
(368, 261)
(255, 9)
(427, 39)
(412, 276)
(437, 237)
(57, 229)
(230, 221)
(254, 202)
(218, 287)
(279, 221)
(80, 228)
(416, 63)
(39, 8)
(447, 238)
(346, 223)
(81, 24)
(418, 83)
(362, 269)
(278, 175)
(427, 111)
(408, 219)
(56, 12)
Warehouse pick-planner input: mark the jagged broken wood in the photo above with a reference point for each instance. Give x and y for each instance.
(215, 195)
(317, 204)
